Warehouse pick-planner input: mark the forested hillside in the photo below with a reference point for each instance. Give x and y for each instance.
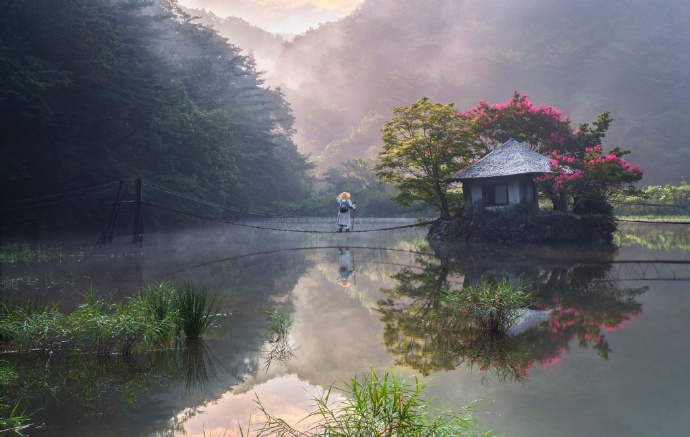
(586, 57)
(264, 46)
(94, 91)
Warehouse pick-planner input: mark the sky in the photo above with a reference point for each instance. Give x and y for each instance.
(278, 16)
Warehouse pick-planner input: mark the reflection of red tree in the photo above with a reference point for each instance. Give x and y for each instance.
(546, 344)
(568, 323)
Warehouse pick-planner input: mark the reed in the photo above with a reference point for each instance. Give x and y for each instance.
(376, 406)
(492, 307)
(160, 300)
(196, 310)
(153, 318)
(13, 421)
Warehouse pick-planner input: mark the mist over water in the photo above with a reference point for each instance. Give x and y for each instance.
(608, 322)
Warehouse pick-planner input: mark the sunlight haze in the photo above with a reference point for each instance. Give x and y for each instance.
(278, 16)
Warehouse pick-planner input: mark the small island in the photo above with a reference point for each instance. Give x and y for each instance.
(507, 173)
(502, 204)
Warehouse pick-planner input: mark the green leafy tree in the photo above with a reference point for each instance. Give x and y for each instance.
(423, 144)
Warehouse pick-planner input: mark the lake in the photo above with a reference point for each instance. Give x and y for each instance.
(604, 349)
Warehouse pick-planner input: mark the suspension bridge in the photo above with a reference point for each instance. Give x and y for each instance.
(98, 201)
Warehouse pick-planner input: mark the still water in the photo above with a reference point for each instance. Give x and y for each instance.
(604, 351)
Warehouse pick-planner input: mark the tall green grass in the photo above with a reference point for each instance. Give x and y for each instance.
(12, 420)
(375, 406)
(151, 319)
(196, 310)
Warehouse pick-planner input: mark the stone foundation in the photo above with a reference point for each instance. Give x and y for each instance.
(541, 228)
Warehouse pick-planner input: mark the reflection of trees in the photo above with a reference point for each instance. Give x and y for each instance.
(427, 335)
(80, 389)
(583, 302)
(409, 314)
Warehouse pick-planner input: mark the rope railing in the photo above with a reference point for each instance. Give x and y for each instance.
(627, 212)
(109, 184)
(55, 206)
(320, 230)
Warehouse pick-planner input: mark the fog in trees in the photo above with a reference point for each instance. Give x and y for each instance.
(587, 57)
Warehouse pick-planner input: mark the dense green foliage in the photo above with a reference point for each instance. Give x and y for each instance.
(656, 202)
(422, 145)
(95, 91)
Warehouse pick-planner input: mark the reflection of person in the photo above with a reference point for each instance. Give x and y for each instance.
(344, 207)
(346, 273)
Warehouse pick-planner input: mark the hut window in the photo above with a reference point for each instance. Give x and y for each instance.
(495, 194)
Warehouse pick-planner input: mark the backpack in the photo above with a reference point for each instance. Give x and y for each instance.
(344, 206)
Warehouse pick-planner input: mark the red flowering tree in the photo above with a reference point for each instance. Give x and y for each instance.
(542, 128)
(579, 169)
(591, 180)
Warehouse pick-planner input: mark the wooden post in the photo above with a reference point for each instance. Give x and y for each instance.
(107, 235)
(138, 228)
(354, 202)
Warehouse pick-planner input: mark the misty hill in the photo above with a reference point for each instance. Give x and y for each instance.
(95, 92)
(265, 46)
(628, 57)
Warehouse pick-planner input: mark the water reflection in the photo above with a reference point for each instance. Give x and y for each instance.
(346, 273)
(386, 314)
(76, 390)
(573, 300)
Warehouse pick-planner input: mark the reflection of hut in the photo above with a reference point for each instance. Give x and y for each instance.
(528, 319)
(504, 177)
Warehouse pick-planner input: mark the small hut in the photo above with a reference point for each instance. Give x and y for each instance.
(504, 177)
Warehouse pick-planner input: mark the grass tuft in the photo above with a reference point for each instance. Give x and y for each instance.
(375, 406)
(492, 307)
(196, 310)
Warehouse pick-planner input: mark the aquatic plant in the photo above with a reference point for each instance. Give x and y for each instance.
(105, 328)
(13, 421)
(152, 318)
(376, 406)
(279, 324)
(196, 310)
(279, 348)
(491, 306)
(161, 301)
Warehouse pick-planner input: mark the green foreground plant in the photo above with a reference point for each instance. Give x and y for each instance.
(376, 406)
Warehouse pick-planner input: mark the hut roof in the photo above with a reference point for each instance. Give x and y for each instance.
(510, 158)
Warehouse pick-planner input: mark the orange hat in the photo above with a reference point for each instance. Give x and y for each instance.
(344, 195)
